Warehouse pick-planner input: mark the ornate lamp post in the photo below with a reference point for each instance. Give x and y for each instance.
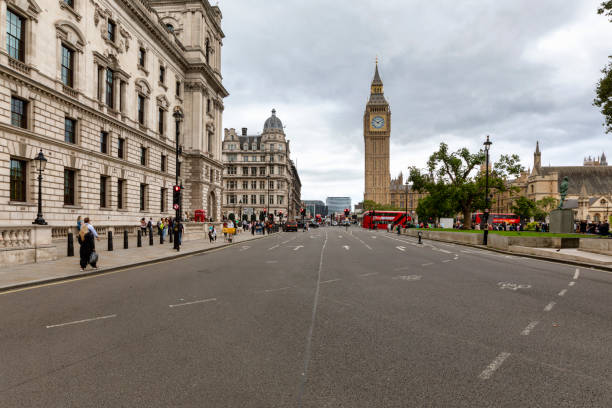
(41, 163)
(406, 215)
(487, 146)
(178, 117)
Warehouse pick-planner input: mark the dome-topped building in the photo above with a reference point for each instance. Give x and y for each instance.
(273, 123)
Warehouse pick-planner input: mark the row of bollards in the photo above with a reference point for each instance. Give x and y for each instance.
(70, 251)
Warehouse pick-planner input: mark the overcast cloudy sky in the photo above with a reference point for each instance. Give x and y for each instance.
(454, 71)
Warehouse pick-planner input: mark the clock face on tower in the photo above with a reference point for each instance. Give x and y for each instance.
(378, 122)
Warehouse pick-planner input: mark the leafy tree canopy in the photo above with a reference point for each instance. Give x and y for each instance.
(603, 90)
(456, 182)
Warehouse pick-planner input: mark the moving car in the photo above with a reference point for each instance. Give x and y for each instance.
(291, 226)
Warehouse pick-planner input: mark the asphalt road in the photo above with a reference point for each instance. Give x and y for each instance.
(327, 318)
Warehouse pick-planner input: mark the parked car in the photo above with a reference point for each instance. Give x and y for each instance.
(291, 226)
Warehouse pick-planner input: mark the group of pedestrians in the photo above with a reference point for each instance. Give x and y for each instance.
(86, 238)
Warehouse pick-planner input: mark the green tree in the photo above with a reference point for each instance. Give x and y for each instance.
(455, 181)
(524, 208)
(544, 207)
(603, 90)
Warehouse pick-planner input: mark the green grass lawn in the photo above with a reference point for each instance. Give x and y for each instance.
(519, 233)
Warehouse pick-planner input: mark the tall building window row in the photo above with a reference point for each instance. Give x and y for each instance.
(18, 180)
(19, 112)
(67, 64)
(69, 186)
(70, 130)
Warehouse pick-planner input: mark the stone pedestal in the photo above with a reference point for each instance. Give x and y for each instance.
(562, 221)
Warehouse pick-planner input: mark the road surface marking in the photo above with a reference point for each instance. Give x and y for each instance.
(488, 372)
(373, 237)
(274, 247)
(427, 264)
(339, 236)
(549, 306)
(563, 292)
(276, 290)
(446, 260)
(271, 262)
(244, 248)
(369, 274)
(194, 302)
(81, 321)
(329, 281)
(346, 247)
(576, 274)
(445, 251)
(572, 283)
(401, 248)
(529, 328)
(409, 277)
(298, 247)
(512, 286)
(308, 350)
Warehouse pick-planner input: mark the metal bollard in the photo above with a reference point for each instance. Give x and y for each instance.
(161, 237)
(110, 240)
(139, 240)
(170, 234)
(420, 237)
(151, 237)
(70, 244)
(125, 239)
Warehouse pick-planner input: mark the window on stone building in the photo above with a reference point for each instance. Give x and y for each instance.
(262, 185)
(231, 170)
(69, 187)
(262, 171)
(120, 194)
(104, 142)
(262, 199)
(271, 185)
(207, 51)
(70, 130)
(231, 199)
(143, 197)
(143, 156)
(178, 88)
(245, 199)
(281, 170)
(142, 57)
(231, 157)
(162, 74)
(253, 171)
(121, 148)
(15, 35)
(245, 185)
(109, 88)
(271, 169)
(253, 199)
(164, 161)
(67, 66)
(111, 29)
(162, 204)
(170, 27)
(18, 180)
(103, 192)
(141, 109)
(253, 185)
(271, 199)
(245, 171)
(161, 121)
(19, 112)
(208, 105)
(280, 199)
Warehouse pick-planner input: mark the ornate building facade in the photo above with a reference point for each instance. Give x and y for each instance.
(259, 174)
(376, 135)
(403, 196)
(94, 84)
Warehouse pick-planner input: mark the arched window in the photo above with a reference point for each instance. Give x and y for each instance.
(170, 27)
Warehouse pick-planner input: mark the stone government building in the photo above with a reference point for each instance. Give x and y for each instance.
(94, 84)
(259, 173)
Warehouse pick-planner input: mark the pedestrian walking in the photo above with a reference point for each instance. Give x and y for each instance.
(87, 252)
(143, 226)
(79, 224)
(150, 225)
(91, 228)
(210, 235)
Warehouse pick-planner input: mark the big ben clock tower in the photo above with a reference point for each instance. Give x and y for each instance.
(376, 133)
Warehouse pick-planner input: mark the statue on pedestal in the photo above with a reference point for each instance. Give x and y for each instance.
(563, 187)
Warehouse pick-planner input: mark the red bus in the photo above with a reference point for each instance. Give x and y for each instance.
(380, 219)
(497, 218)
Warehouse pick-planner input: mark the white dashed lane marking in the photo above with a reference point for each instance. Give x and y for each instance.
(550, 306)
(577, 274)
(81, 321)
(193, 303)
(529, 328)
(488, 372)
(563, 292)
(330, 281)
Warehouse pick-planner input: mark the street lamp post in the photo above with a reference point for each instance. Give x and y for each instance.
(406, 203)
(178, 117)
(487, 146)
(41, 163)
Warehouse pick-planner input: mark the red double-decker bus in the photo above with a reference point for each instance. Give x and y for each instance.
(497, 218)
(380, 219)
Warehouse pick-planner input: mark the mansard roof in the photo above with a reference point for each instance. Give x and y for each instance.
(597, 180)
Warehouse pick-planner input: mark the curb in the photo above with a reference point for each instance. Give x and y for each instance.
(101, 271)
(531, 256)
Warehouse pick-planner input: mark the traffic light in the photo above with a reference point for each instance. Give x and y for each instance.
(346, 212)
(303, 212)
(176, 197)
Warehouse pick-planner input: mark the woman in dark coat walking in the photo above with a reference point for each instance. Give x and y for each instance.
(88, 246)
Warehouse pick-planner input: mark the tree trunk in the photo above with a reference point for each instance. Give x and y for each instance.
(467, 218)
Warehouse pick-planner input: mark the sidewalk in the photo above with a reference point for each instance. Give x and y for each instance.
(16, 276)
